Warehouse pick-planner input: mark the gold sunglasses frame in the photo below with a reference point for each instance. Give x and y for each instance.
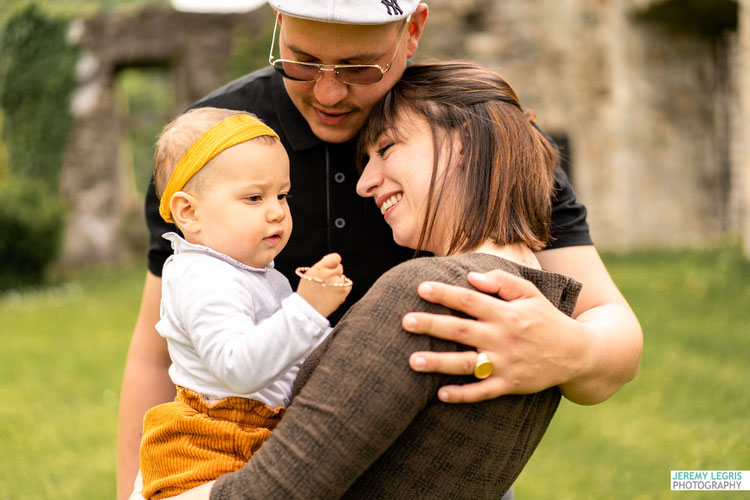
(335, 68)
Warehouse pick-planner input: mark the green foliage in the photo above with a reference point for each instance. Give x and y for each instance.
(4, 172)
(31, 223)
(250, 46)
(145, 99)
(36, 79)
(68, 8)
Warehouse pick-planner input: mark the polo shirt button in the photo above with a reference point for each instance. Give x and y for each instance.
(339, 223)
(339, 177)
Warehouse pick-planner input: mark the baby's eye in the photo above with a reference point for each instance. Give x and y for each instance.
(284, 196)
(254, 198)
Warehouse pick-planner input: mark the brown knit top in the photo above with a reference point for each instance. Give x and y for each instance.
(364, 425)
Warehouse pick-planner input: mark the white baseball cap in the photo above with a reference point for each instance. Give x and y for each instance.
(347, 11)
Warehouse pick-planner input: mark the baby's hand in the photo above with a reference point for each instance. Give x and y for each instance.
(324, 296)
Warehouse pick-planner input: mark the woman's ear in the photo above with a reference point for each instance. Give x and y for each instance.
(184, 207)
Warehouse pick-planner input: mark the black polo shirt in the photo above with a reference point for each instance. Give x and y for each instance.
(328, 214)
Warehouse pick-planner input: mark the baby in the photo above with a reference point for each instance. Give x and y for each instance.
(236, 332)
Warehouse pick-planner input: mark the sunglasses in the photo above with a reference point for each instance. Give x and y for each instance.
(350, 74)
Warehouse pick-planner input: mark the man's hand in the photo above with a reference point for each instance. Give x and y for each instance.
(531, 344)
(520, 332)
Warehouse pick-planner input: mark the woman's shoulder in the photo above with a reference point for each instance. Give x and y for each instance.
(399, 284)
(418, 270)
(451, 269)
(404, 278)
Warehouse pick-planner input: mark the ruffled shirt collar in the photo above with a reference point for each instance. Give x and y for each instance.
(180, 245)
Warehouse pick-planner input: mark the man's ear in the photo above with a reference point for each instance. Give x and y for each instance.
(416, 27)
(184, 207)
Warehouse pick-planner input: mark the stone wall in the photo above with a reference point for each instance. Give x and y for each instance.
(105, 216)
(657, 150)
(641, 107)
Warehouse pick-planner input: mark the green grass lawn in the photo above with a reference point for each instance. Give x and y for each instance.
(689, 406)
(63, 352)
(62, 356)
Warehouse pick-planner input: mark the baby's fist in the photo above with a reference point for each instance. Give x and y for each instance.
(324, 285)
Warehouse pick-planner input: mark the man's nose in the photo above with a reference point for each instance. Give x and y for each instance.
(329, 90)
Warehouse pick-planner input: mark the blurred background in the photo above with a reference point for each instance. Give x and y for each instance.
(648, 101)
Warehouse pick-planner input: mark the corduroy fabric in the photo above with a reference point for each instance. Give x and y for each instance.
(189, 442)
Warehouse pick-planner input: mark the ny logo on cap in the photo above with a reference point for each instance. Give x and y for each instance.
(392, 6)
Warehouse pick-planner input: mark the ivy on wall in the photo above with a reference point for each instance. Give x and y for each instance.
(250, 47)
(36, 80)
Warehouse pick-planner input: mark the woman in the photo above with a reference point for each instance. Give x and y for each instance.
(457, 170)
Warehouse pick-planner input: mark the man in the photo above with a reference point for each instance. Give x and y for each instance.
(335, 60)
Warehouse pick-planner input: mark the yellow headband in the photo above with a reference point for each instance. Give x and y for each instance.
(225, 134)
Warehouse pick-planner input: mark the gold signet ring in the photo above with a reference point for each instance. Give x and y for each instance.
(483, 368)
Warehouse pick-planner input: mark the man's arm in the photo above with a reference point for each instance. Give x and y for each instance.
(146, 383)
(612, 355)
(531, 344)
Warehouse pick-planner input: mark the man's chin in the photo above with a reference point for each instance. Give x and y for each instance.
(335, 133)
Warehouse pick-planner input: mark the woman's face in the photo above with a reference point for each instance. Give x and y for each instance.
(397, 177)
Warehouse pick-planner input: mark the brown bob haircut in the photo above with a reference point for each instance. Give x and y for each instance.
(502, 181)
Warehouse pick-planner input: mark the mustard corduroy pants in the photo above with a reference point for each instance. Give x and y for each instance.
(188, 441)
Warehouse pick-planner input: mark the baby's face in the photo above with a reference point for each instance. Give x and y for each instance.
(243, 210)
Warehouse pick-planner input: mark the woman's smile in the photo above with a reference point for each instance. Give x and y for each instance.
(390, 202)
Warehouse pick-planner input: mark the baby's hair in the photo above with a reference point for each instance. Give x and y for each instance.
(177, 137)
(503, 178)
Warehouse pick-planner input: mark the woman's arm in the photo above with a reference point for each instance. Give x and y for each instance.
(364, 422)
(359, 399)
(532, 344)
(146, 383)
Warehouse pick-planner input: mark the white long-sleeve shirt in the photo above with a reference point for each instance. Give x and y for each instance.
(231, 329)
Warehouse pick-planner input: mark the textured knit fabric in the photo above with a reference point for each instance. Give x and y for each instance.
(189, 442)
(328, 214)
(364, 425)
(233, 330)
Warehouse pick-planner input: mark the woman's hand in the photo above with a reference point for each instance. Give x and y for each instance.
(531, 344)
